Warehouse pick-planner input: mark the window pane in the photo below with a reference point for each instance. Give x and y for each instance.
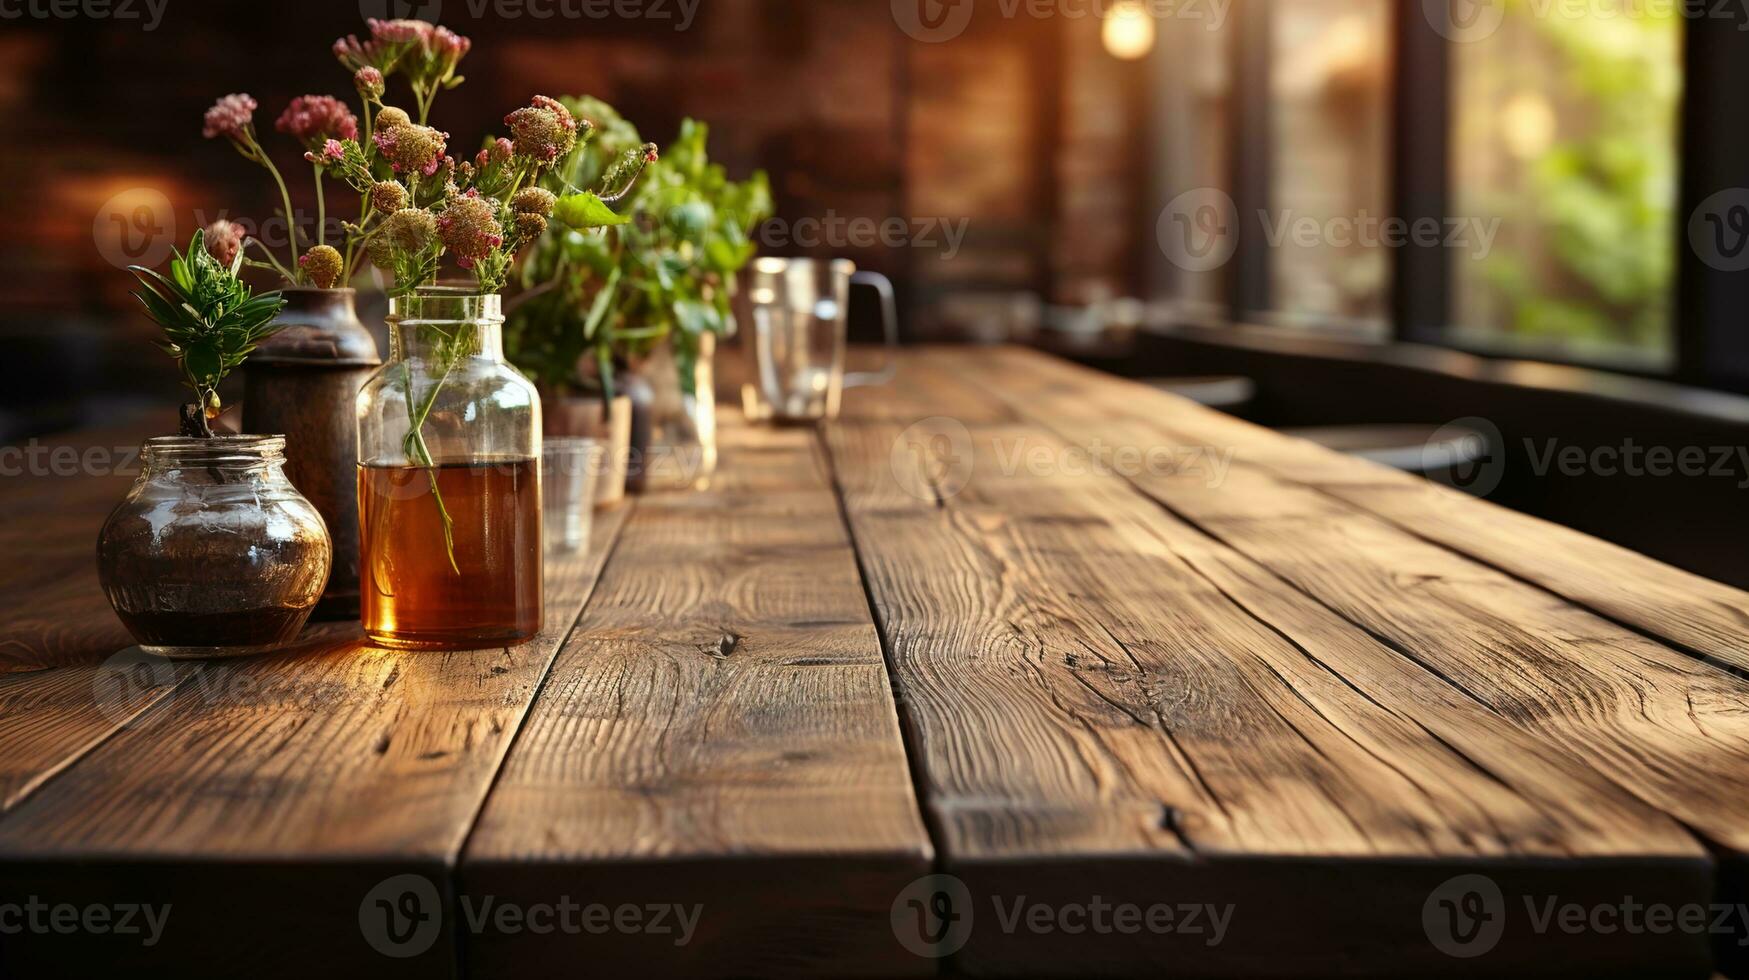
(1192, 88)
(1565, 130)
(1329, 193)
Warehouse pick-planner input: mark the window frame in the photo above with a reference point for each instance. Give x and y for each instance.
(1710, 306)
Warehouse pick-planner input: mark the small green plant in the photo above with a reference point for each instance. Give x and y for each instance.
(666, 272)
(211, 320)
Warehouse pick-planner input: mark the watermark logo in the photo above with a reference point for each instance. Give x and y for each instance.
(35, 916)
(932, 917)
(933, 459)
(1468, 454)
(1718, 231)
(402, 916)
(933, 21)
(149, 13)
(1465, 917)
(430, 11)
(135, 227)
(1199, 229)
(127, 683)
(1465, 21)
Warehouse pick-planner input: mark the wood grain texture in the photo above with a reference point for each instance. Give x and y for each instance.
(1661, 723)
(58, 698)
(1708, 618)
(718, 734)
(264, 799)
(1103, 701)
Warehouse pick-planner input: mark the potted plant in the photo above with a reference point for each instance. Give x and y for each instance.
(212, 552)
(653, 296)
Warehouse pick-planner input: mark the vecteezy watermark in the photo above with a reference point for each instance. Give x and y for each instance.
(148, 13)
(1467, 21)
(1470, 455)
(833, 230)
(1466, 917)
(138, 227)
(934, 917)
(1718, 230)
(36, 459)
(935, 21)
(1630, 459)
(131, 681)
(402, 917)
(680, 13)
(935, 458)
(1199, 230)
(35, 916)
(1210, 463)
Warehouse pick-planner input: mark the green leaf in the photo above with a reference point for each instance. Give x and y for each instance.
(585, 210)
(205, 364)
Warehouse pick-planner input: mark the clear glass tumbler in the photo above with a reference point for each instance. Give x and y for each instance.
(570, 471)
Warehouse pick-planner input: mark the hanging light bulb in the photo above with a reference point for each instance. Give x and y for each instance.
(1128, 30)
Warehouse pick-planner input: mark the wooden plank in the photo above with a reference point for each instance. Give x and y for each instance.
(719, 737)
(1663, 724)
(1695, 613)
(1100, 707)
(264, 800)
(58, 699)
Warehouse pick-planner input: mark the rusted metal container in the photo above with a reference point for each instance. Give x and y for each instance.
(301, 382)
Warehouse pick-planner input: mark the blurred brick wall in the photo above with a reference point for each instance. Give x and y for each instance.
(1014, 130)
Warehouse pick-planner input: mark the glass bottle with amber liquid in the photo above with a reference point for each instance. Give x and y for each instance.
(449, 503)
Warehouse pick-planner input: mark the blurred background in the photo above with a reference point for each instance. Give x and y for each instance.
(1352, 218)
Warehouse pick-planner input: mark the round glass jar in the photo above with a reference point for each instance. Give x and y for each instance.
(213, 552)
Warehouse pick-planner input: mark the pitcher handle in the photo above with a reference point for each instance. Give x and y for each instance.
(889, 327)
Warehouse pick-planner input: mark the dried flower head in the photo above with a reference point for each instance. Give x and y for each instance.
(322, 266)
(369, 82)
(224, 241)
(315, 119)
(530, 226)
(230, 116)
(412, 149)
(544, 129)
(391, 117)
(469, 228)
(410, 229)
(387, 196)
(534, 200)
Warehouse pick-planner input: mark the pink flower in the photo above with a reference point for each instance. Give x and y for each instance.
(224, 240)
(369, 82)
(313, 119)
(448, 46)
(230, 116)
(499, 151)
(399, 31)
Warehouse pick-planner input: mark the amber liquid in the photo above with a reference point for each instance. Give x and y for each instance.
(412, 597)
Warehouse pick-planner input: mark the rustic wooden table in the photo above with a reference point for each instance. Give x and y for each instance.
(1152, 690)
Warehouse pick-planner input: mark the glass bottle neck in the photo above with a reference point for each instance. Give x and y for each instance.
(221, 459)
(429, 340)
(445, 323)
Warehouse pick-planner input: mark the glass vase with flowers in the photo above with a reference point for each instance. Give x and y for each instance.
(448, 432)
